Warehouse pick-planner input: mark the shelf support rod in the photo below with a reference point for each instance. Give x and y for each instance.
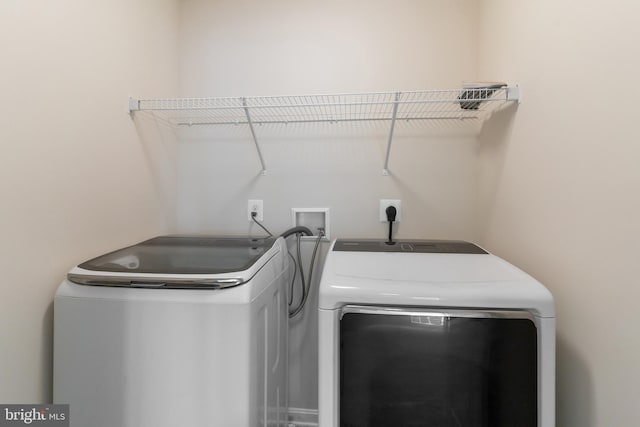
(385, 171)
(253, 134)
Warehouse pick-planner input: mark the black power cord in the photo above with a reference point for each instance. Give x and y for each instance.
(391, 217)
(253, 217)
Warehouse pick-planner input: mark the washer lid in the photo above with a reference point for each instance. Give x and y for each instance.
(177, 260)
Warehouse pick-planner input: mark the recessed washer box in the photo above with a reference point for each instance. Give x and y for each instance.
(312, 218)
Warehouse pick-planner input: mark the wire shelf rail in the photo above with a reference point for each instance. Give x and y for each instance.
(453, 106)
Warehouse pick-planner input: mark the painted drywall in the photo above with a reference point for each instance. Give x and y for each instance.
(560, 187)
(75, 178)
(557, 189)
(287, 47)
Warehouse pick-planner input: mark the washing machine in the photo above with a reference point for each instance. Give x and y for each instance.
(432, 333)
(175, 331)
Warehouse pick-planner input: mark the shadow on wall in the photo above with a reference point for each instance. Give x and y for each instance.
(575, 399)
(159, 143)
(492, 151)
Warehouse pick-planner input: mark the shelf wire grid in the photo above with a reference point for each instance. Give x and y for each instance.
(466, 107)
(455, 105)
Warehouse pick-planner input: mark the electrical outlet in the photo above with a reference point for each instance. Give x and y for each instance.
(385, 203)
(255, 206)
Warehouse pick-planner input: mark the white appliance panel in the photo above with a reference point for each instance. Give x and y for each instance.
(132, 357)
(457, 284)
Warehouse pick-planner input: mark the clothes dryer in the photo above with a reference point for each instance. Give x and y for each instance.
(435, 333)
(175, 331)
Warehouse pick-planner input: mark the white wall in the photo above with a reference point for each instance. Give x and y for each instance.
(287, 47)
(244, 48)
(251, 47)
(561, 187)
(557, 190)
(75, 180)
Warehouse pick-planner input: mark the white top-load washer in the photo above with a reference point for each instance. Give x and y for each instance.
(432, 333)
(175, 331)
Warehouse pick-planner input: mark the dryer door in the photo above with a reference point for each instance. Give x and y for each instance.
(406, 367)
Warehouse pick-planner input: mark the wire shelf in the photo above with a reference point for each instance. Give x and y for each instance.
(453, 106)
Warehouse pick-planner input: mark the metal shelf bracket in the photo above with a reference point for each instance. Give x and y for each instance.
(513, 94)
(253, 134)
(385, 170)
(134, 105)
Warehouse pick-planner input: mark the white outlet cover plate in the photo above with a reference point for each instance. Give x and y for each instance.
(258, 206)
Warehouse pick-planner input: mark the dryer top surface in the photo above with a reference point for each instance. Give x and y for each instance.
(460, 275)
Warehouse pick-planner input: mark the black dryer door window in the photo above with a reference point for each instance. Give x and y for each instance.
(409, 368)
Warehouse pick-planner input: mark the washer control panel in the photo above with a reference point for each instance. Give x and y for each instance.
(409, 246)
